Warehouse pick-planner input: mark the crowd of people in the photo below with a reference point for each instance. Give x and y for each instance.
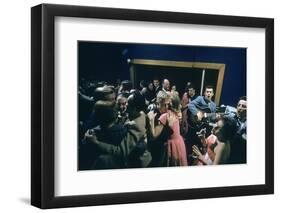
(154, 125)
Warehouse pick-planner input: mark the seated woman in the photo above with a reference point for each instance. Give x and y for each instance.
(175, 147)
(218, 143)
(132, 149)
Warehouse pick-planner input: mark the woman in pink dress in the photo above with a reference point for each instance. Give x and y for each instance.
(218, 143)
(176, 151)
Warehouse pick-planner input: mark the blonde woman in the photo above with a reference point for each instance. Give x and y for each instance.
(176, 151)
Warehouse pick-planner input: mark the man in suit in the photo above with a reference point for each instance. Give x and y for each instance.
(191, 92)
(166, 86)
(239, 143)
(156, 84)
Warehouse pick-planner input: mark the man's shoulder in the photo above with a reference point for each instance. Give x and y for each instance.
(198, 99)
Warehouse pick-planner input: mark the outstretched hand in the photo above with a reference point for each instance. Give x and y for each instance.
(196, 151)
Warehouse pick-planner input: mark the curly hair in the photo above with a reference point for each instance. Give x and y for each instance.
(229, 129)
(162, 96)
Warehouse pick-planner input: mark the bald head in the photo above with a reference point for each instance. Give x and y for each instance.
(166, 84)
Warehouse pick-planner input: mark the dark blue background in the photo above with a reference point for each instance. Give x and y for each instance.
(108, 61)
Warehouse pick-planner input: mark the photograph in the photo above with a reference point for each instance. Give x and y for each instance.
(132, 105)
(160, 105)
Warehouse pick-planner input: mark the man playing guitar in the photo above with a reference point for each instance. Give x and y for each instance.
(202, 105)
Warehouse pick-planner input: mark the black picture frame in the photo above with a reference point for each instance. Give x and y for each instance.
(42, 105)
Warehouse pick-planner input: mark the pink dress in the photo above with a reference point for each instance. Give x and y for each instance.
(175, 144)
(211, 141)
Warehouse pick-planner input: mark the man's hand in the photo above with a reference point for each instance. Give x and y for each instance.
(180, 116)
(171, 117)
(200, 115)
(151, 115)
(91, 137)
(218, 116)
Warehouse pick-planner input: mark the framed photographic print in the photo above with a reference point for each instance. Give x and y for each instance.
(140, 106)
